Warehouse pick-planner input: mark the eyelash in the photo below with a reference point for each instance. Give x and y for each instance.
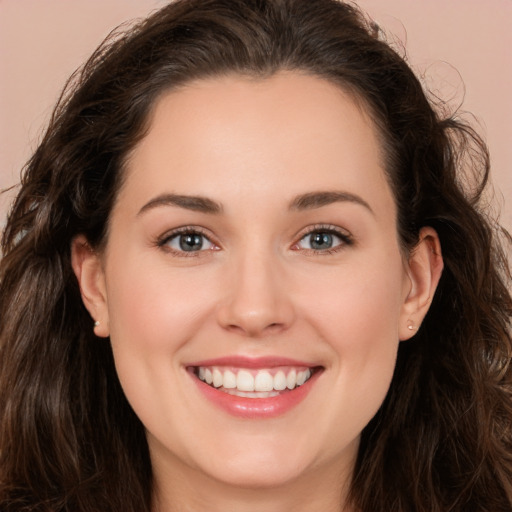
(346, 240)
(163, 241)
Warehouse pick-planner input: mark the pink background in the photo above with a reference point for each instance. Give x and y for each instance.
(456, 44)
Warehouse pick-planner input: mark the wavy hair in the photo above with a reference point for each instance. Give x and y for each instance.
(69, 441)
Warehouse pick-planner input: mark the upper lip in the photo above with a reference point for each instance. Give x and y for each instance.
(252, 362)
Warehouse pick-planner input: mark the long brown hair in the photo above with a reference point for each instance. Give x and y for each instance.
(69, 441)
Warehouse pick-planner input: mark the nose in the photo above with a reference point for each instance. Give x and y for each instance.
(256, 300)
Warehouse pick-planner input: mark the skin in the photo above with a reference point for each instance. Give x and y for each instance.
(257, 288)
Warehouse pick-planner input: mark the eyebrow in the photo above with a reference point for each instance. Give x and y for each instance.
(201, 204)
(313, 200)
(195, 203)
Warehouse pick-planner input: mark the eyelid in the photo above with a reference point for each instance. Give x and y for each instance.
(164, 239)
(345, 236)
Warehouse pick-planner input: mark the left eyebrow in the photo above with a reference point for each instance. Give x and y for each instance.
(313, 200)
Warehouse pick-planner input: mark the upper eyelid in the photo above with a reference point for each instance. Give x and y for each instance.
(325, 228)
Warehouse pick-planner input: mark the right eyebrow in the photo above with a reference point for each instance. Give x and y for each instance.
(195, 203)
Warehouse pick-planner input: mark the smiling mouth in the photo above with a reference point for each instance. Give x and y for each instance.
(254, 383)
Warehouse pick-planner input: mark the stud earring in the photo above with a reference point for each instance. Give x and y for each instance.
(411, 327)
(96, 323)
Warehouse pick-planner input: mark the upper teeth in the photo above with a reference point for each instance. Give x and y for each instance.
(256, 380)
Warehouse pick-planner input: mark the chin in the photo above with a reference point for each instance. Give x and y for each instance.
(247, 473)
(252, 464)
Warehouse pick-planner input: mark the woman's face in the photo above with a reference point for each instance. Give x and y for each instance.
(254, 243)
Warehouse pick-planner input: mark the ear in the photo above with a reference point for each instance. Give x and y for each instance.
(424, 269)
(88, 269)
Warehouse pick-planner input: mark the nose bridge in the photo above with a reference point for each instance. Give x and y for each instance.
(257, 302)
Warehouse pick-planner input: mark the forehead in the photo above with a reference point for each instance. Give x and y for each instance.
(291, 131)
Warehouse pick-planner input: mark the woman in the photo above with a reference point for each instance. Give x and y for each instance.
(247, 270)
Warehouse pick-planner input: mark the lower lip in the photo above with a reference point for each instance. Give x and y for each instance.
(257, 408)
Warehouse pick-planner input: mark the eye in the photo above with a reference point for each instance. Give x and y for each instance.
(323, 240)
(189, 241)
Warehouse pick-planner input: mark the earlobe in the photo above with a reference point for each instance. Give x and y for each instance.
(424, 269)
(88, 270)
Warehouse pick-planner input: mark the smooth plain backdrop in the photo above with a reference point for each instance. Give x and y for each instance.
(461, 48)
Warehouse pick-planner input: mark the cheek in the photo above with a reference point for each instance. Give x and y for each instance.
(153, 315)
(358, 316)
(156, 309)
(362, 303)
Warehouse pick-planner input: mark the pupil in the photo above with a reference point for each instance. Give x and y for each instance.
(321, 241)
(191, 242)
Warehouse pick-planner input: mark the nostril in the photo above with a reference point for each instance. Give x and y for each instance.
(235, 328)
(254, 329)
